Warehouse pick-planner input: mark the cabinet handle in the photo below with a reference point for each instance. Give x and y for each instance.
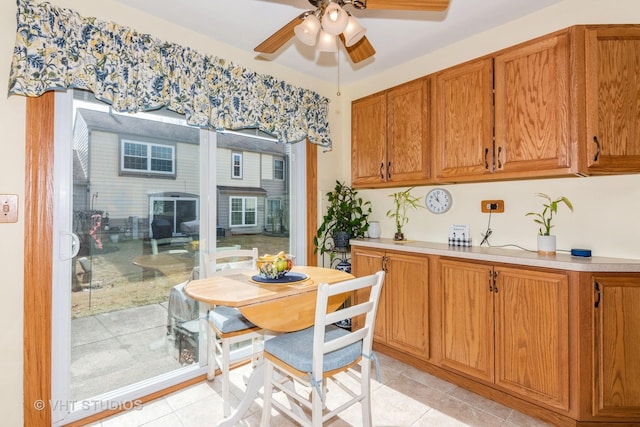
(381, 173)
(486, 158)
(385, 260)
(595, 139)
(389, 170)
(499, 160)
(492, 281)
(596, 287)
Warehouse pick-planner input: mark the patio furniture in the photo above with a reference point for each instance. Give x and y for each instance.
(182, 318)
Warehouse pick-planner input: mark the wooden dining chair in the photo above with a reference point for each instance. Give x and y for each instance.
(227, 326)
(316, 354)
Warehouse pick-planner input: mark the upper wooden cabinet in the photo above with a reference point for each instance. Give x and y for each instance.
(507, 115)
(612, 62)
(389, 137)
(463, 120)
(563, 104)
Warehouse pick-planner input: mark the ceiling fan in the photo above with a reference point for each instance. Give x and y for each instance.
(329, 21)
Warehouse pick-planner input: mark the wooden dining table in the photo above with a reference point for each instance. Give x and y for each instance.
(275, 307)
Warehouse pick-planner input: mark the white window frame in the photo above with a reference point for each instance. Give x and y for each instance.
(275, 176)
(244, 211)
(238, 157)
(149, 158)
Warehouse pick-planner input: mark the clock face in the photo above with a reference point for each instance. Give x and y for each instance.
(438, 200)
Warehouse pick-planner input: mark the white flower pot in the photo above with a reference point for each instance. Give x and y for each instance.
(374, 230)
(546, 245)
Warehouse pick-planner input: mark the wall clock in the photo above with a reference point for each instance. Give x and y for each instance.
(438, 200)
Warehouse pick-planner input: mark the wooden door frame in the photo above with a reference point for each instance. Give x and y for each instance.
(38, 255)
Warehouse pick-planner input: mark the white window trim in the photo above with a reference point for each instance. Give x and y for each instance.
(233, 158)
(244, 211)
(147, 171)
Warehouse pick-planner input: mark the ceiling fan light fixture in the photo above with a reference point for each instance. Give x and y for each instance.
(354, 32)
(307, 31)
(327, 42)
(334, 19)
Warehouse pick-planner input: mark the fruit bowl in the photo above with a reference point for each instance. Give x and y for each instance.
(275, 266)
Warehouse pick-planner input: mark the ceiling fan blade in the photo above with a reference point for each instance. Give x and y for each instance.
(280, 37)
(359, 51)
(435, 5)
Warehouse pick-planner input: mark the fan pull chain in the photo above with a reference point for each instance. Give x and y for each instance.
(338, 92)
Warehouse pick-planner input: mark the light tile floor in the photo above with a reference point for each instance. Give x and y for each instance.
(405, 397)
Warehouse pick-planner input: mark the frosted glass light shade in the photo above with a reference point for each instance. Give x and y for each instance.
(354, 32)
(307, 31)
(335, 19)
(327, 42)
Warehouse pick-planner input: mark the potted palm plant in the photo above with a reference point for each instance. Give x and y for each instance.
(547, 241)
(403, 201)
(346, 218)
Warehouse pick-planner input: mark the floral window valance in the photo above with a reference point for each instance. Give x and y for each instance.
(57, 49)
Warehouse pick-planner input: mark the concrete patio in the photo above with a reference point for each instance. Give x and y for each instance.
(115, 349)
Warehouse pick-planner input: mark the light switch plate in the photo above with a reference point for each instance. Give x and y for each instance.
(8, 208)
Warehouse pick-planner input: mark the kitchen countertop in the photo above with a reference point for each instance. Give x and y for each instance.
(562, 261)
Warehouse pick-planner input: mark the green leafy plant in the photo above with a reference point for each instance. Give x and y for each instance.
(346, 214)
(550, 207)
(403, 201)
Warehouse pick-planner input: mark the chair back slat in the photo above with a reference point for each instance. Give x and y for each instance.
(238, 258)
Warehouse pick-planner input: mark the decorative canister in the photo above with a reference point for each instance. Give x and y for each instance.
(374, 230)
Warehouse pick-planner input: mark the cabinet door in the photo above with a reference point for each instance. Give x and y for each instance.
(365, 262)
(467, 318)
(616, 347)
(463, 122)
(408, 132)
(369, 140)
(532, 334)
(407, 284)
(613, 90)
(532, 112)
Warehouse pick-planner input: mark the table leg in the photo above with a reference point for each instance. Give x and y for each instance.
(256, 380)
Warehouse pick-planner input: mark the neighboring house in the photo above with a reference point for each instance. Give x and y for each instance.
(253, 182)
(140, 173)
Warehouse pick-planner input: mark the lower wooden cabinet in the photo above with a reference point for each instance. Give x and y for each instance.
(507, 326)
(616, 346)
(402, 321)
(560, 345)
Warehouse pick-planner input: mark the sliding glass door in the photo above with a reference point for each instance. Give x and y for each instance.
(138, 197)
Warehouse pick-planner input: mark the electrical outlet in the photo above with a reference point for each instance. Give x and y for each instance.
(8, 208)
(493, 206)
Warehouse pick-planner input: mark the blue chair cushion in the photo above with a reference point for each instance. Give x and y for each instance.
(296, 349)
(229, 319)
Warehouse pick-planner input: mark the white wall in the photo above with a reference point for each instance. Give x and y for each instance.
(603, 205)
(606, 208)
(12, 125)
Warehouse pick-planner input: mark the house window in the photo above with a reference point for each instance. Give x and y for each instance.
(243, 211)
(278, 169)
(236, 165)
(147, 158)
